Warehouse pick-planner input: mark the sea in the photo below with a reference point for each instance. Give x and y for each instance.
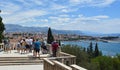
(107, 48)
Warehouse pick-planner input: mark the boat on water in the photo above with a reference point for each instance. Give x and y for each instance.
(105, 41)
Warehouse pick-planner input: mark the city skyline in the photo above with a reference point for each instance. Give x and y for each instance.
(101, 16)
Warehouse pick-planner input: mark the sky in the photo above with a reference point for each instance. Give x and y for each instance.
(100, 16)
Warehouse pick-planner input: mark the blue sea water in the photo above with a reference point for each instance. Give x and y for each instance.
(109, 48)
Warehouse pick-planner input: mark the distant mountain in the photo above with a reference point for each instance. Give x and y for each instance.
(18, 28)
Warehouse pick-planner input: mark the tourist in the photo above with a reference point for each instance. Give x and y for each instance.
(27, 44)
(23, 46)
(30, 44)
(18, 46)
(33, 47)
(7, 45)
(44, 47)
(55, 46)
(37, 45)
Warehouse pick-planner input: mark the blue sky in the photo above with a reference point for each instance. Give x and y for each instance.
(101, 16)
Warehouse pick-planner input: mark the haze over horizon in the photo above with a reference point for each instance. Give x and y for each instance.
(101, 16)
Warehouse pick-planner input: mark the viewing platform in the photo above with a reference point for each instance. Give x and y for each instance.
(17, 61)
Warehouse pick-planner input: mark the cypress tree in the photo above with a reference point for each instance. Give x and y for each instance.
(59, 43)
(2, 28)
(50, 37)
(90, 50)
(96, 52)
(91, 47)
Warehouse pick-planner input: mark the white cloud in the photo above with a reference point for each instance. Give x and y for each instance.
(58, 15)
(30, 2)
(9, 7)
(104, 3)
(78, 23)
(103, 26)
(55, 6)
(97, 3)
(5, 13)
(24, 16)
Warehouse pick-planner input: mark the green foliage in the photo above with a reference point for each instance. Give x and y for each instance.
(81, 56)
(118, 56)
(90, 50)
(50, 37)
(94, 63)
(93, 53)
(107, 63)
(2, 28)
(96, 52)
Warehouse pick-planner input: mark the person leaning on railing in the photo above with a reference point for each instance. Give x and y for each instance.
(55, 46)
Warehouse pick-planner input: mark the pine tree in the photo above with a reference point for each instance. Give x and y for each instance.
(96, 52)
(2, 28)
(50, 37)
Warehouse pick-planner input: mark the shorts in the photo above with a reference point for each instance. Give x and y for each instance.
(27, 46)
(37, 50)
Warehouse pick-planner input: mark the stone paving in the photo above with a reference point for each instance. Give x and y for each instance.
(22, 67)
(14, 53)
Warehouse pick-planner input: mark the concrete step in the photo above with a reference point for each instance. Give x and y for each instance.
(20, 61)
(17, 58)
(23, 61)
(8, 64)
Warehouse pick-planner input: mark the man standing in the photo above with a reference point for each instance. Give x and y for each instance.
(54, 48)
(37, 45)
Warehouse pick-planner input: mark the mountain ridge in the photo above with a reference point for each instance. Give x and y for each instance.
(19, 28)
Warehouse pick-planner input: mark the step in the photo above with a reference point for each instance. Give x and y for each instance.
(23, 61)
(17, 58)
(6, 64)
(20, 61)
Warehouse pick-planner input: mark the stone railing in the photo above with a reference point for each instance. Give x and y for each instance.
(2, 46)
(62, 57)
(76, 67)
(65, 58)
(63, 62)
(56, 65)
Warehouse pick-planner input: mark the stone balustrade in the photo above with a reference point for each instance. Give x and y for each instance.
(56, 65)
(63, 62)
(2, 46)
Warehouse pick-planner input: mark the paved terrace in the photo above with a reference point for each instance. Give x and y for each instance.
(22, 67)
(17, 61)
(15, 54)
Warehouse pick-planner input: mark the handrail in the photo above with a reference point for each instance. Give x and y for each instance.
(48, 65)
(65, 58)
(60, 66)
(56, 65)
(76, 67)
(47, 60)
